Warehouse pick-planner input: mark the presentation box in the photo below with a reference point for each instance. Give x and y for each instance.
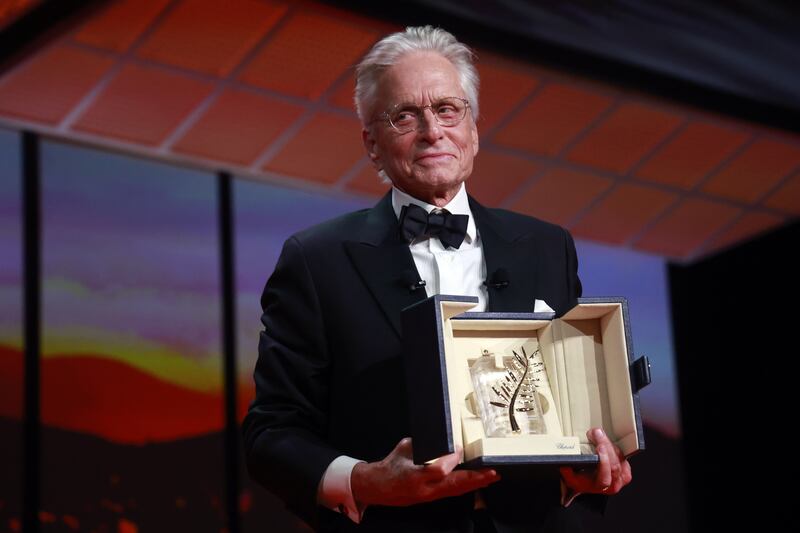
(521, 388)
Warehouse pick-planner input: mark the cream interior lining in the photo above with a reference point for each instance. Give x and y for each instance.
(585, 356)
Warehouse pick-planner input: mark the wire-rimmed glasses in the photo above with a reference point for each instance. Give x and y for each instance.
(407, 117)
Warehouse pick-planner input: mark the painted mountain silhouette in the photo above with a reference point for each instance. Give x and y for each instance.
(92, 484)
(11, 388)
(108, 398)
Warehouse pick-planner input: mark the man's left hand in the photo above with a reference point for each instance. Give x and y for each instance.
(612, 473)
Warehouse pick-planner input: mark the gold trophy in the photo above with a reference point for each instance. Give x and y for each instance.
(506, 393)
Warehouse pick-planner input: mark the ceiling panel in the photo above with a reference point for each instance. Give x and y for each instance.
(688, 158)
(342, 95)
(749, 225)
(143, 104)
(238, 126)
(496, 176)
(503, 87)
(755, 171)
(331, 138)
(687, 227)
(118, 24)
(624, 138)
(555, 116)
(366, 181)
(47, 88)
(561, 194)
(307, 54)
(12, 11)
(210, 36)
(787, 197)
(623, 213)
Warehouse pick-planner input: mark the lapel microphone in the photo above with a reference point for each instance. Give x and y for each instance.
(498, 279)
(411, 281)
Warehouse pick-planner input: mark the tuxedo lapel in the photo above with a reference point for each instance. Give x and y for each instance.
(506, 249)
(381, 257)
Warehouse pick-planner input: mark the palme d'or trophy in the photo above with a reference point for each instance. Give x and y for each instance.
(507, 398)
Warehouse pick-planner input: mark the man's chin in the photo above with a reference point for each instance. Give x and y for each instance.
(439, 176)
(429, 190)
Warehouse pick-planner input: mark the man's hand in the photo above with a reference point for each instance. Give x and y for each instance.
(396, 480)
(613, 472)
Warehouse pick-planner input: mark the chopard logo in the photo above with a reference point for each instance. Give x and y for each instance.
(565, 446)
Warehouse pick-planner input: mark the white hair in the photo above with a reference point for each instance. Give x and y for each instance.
(391, 48)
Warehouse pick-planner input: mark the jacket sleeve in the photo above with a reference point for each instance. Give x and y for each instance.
(285, 425)
(574, 287)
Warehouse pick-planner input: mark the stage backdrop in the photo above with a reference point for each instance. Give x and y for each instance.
(11, 360)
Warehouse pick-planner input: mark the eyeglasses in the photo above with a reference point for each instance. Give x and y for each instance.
(408, 117)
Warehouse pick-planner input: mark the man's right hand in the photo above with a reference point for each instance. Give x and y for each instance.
(397, 481)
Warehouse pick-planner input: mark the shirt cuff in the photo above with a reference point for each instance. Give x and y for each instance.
(334, 490)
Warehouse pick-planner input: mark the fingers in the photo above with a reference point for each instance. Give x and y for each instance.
(572, 479)
(626, 474)
(604, 473)
(396, 480)
(402, 457)
(463, 481)
(613, 472)
(414, 484)
(442, 466)
(442, 480)
(403, 448)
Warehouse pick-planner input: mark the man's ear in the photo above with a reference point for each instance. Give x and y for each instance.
(371, 147)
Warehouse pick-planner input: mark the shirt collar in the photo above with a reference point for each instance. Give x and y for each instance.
(459, 205)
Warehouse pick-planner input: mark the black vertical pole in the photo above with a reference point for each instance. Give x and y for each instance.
(31, 221)
(228, 287)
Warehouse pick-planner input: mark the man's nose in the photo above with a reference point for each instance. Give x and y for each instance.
(428, 126)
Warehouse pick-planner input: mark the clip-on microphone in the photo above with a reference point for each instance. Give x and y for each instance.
(411, 281)
(498, 279)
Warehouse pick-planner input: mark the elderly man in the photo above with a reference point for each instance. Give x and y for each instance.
(328, 430)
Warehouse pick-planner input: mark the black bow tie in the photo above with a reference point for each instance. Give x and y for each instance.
(415, 222)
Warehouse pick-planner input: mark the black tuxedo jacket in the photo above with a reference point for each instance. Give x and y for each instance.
(329, 377)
